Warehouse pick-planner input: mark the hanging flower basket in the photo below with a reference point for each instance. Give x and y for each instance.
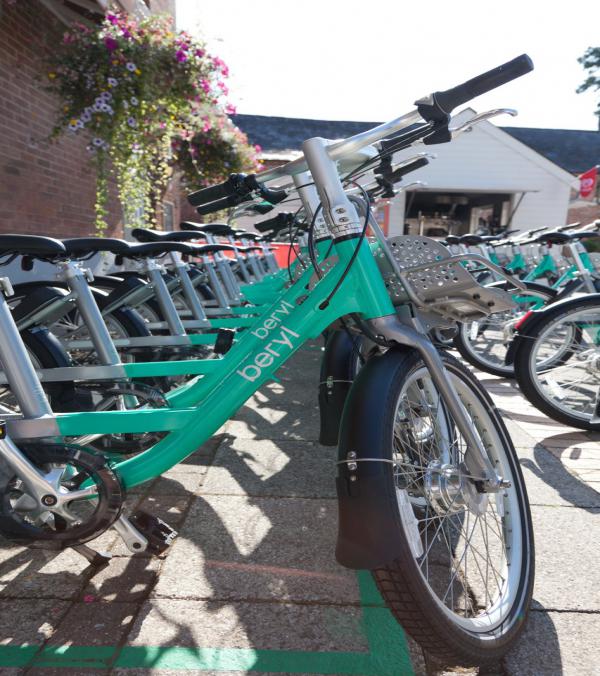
(133, 87)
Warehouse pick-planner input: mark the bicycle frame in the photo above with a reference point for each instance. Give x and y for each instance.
(199, 408)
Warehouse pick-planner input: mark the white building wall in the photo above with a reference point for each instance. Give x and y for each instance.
(488, 159)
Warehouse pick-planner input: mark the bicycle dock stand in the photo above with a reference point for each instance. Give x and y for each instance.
(94, 558)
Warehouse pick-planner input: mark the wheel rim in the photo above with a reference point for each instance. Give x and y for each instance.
(468, 549)
(564, 364)
(489, 339)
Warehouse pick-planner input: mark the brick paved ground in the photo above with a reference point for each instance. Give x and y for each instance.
(251, 585)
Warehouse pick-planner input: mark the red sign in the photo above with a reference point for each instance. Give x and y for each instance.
(587, 183)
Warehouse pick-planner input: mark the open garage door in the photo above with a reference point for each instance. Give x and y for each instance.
(437, 214)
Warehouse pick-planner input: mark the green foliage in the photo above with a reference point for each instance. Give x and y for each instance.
(136, 87)
(591, 63)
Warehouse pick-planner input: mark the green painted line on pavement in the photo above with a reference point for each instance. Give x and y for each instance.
(387, 655)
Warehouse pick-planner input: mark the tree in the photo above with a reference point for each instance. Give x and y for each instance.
(591, 63)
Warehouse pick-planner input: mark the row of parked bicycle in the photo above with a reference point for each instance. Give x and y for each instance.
(110, 380)
(549, 340)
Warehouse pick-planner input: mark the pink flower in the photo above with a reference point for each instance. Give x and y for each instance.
(110, 43)
(181, 56)
(205, 86)
(230, 109)
(258, 148)
(199, 53)
(112, 18)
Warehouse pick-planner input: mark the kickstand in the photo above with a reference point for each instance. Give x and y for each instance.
(94, 558)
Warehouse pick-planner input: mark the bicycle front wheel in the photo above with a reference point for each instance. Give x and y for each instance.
(462, 582)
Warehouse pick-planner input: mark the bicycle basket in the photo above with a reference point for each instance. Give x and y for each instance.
(434, 280)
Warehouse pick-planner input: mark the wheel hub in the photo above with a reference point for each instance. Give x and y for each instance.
(594, 361)
(450, 491)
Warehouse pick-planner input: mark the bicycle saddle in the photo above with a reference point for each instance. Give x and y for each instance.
(82, 246)
(146, 235)
(205, 249)
(564, 237)
(31, 245)
(248, 235)
(245, 249)
(473, 240)
(208, 228)
(152, 249)
(452, 239)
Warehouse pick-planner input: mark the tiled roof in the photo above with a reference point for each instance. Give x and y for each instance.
(570, 149)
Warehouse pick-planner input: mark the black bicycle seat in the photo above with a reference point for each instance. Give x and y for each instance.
(473, 240)
(31, 245)
(248, 235)
(154, 249)
(452, 239)
(205, 249)
(83, 246)
(146, 235)
(218, 229)
(553, 238)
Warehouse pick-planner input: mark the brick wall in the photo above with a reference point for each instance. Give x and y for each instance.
(45, 188)
(584, 213)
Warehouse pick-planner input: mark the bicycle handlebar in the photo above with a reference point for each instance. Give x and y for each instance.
(440, 104)
(283, 220)
(397, 175)
(433, 108)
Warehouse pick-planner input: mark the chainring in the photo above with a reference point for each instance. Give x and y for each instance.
(25, 521)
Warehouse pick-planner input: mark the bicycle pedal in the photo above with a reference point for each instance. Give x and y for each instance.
(159, 534)
(224, 341)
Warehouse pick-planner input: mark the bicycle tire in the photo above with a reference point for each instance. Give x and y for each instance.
(406, 591)
(490, 357)
(530, 378)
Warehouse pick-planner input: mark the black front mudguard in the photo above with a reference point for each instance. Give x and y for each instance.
(337, 374)
(366, 523)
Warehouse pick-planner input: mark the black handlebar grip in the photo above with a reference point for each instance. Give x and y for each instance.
(511, 70)
(235, 184)
(397, 175)
(273, 195)
(262, 208)
(225, 203)
(282, 220)
(210, 194)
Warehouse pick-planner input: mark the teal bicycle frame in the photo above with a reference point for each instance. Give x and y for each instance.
(199, 408)
(348, 282)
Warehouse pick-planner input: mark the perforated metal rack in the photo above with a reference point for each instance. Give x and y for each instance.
(426, 273)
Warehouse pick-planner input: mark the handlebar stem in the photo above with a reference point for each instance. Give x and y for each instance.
(340, 214)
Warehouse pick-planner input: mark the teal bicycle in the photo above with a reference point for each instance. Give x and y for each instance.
(431, 496)
(488, 344)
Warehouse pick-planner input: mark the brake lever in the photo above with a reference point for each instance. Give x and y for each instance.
(481, 117)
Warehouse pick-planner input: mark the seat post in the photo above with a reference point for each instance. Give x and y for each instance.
(20, 372)
(241, 261)
(188, 289)
(165, 302)
(77, 281)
